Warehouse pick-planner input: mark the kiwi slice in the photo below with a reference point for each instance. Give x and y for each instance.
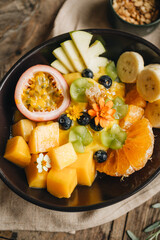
(80, 137)
(78, 89)
(113, 138)
(120, 107)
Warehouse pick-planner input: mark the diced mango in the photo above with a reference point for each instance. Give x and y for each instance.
(23, 128)
(70, 77)
(17, 151)
(44, 137)
(61, 183)
(18, 116)
(34, 178)
(41, 123)
(96, 143)
(62, 156)
(63, 136)
(102, 71)
(116, 90)
(85, 167)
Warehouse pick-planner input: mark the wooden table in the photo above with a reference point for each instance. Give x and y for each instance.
(23, 25)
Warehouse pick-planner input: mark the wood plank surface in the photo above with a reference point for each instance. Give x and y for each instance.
(135, 221)
(23, 25)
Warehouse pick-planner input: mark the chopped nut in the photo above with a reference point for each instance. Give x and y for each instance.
(148, 15)
(137, 12)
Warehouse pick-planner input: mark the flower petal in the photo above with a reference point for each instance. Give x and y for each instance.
(92, 112)
(109, 117)
(41, 155)
(111, 111)
(101, 103)
(109, 104)
(103, 122)
(97, 120)
(45, 168)
(96, 107)
(39, 160)
(40, 169)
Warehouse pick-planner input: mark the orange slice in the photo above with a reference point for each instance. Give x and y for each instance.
(135, 153)
(134, 98)
(134, 114)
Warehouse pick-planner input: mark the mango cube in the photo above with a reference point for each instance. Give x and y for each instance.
(18, 116)
(62, 156)
(61, 183)
(44, 137)
(85, 167)
(34, 178)
(63, 136)
(23, 128)
(17, 151)
(70, 77)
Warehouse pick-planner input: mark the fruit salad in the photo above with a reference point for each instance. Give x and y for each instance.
(82, 115)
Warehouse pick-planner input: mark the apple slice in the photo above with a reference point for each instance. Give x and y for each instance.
(82, 40)
(62, 57)
(60, 67)
(72, 53)
(96, 63)
(94, 51)
(89, 54)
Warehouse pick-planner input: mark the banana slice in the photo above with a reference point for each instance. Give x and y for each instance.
(129, 66)
(148, 82)
(152, 112)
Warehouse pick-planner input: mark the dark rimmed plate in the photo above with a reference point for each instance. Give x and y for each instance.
(105, 190)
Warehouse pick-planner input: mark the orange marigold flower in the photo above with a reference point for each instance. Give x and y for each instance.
(103, 112)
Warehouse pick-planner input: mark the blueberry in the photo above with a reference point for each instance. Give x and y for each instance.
(87, 73)
(94, 126)
(84, 119)
(106, 81)
(100, 156)
(64, 122)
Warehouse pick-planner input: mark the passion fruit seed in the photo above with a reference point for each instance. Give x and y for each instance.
(42, 93)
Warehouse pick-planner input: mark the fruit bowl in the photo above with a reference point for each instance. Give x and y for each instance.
(105, 190)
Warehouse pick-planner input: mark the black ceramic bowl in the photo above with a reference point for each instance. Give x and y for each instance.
(105, 190)
(140, 30)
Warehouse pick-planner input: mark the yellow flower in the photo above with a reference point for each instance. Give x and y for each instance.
(74, 112)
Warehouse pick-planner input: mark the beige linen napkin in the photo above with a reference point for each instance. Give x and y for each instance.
(18, 214)
(85, 14)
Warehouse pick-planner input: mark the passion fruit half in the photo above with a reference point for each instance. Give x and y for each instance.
(42, 93)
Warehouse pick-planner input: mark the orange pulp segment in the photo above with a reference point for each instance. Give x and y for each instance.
(135, 153)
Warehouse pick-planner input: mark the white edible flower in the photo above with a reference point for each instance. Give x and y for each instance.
(44, 162)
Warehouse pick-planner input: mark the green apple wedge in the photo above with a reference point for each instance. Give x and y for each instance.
(89, 54)
(82, 40)
(59, 66)
(94, 51)
(62, 57)
(74, 56)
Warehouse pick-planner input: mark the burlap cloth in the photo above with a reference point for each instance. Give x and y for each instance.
(18, 214)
